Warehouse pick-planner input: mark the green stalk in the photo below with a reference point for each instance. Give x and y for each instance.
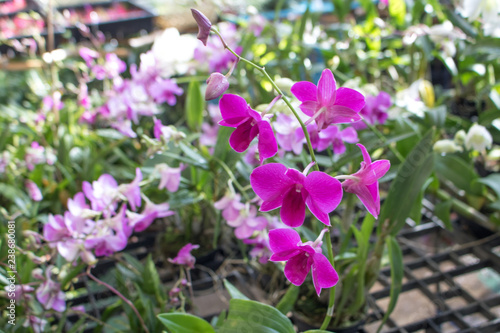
(278, 90)
(331, 301)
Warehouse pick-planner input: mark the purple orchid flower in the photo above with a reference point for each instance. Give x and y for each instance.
(204, 25)
(375, 110)
(291, 190)
(326, 104)
(49, 293)
(231, 205)
(364, 183)
(332, 135)
(184, 256)
(248, 123)
(132, 191)
(247, 223)
(170, 178)
(33, 190)
(286, 245)
(165, 90)
(140, 222)
(103, 194)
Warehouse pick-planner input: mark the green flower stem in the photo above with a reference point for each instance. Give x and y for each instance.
(125, 299)
(278, 90)
(233, 178)
(331, 301)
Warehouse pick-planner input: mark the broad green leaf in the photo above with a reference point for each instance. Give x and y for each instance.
(288, 300)
(492, 181)
(456, 170)
(317, 331)
(252, 316)
(194, 105)
(397, 272)
(397, 10)
(184, 323)
(233, 291)
(405, 188)
(436, 116)
(442, 211)
(151, 279)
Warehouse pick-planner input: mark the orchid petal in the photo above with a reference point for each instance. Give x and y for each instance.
(309, 107)
(233, 106)
(324, 190)
(304, 91)
(242, 136)
(369, 196)
(366, 156)
(377, 171)
(327, 88)
(284, 243)
(324, 275)
(293, 210)
(270, 182)
(268, 146)
(296, 269)
(339, 114)
(349, 135)
(350, 98)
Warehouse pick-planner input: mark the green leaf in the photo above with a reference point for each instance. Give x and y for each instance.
(72, 274)
(317, 331)
(405, 188)
(233, 291)
(397, 10)
(492, 181)
(152, 279)
(288, 300)
(442, 211)
(184, 323)
(195, 104)
(252, 316)
(397, 272)
(456, 170)
(460, 22)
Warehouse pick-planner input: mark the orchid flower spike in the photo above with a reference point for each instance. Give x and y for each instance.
(204, 25)
(291, 190)
(249, 123)
(364, 183)
(326, 104)
(286, 245)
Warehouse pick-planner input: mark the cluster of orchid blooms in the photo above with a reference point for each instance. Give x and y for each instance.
(277, 186)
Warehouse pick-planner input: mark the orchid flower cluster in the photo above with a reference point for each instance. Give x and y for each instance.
(129, 99)
(102, 227)
(323, 107)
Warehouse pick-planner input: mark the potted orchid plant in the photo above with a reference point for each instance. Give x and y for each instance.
(342, 255)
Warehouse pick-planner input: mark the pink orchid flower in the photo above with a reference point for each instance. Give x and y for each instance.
(249, 123)
(326, 104)
(364, 183)
(291, 190)
(286, 245)
(184, 257)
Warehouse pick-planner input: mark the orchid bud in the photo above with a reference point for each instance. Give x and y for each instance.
(478, 138)
(33, 190)
(446, 146)
(460, 137)
(217, 84)
(204, 25)
(426, 91)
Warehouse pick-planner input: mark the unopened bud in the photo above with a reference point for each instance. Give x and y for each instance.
(426, 91)
(204, 25)
(217, 84)
(460, 137)
(446, 146)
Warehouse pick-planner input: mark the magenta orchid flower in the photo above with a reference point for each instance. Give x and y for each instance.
(170, 178)
(286, 245)
(364, 183)
(103, 194)
(326, 104)
(291, 190)
(184, 256)
(248, 123)
(247, 223)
